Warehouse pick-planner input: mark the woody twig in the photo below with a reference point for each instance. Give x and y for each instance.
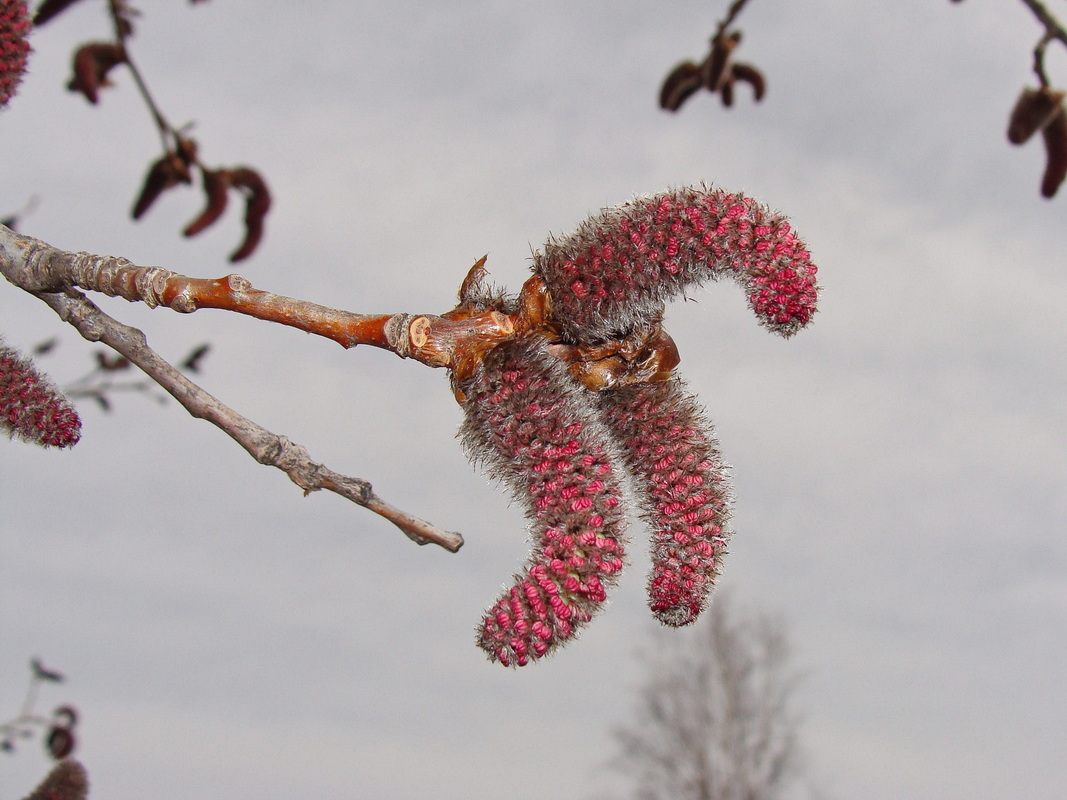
(54, 276)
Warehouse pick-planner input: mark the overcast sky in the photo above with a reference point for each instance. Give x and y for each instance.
(900, 467)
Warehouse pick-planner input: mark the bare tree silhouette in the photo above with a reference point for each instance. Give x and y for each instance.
(713, 719)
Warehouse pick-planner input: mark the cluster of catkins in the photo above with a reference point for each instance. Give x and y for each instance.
(570, 454)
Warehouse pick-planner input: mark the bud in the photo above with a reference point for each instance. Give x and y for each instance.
(1034, 109)
(751, 76)
(92, 62)
(60, 742)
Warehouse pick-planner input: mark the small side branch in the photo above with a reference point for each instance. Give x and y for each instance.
(1048, 19)
(1054, 31)
(264, 446)
(731, 15)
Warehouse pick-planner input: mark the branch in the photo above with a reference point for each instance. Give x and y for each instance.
(731, 15)
(35, 266)
(1054, 30)
(451, 340)
(1052, 25)
(265, 447)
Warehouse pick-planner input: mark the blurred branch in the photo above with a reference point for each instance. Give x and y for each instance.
(120, 18)
(1054, 31)
(28, 720)
(731, 15)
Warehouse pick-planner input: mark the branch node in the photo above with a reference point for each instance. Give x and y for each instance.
(397, 334)
(419, 332)
(238, 283)
(119, 277)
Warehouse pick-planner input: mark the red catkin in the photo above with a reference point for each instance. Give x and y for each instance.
(14, 49)
(615, 273)
(671, 452)
(533, 427)
(30, 405)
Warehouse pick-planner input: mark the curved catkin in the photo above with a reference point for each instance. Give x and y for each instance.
(678, 474)
(616, 272)
(530, 425)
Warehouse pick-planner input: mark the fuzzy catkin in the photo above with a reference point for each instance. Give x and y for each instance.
(14, 49)
(678, 474)
(31, 407)
(67, 781)
(529, 424)
(616, 272)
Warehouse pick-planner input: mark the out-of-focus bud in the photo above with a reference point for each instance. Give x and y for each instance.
(1033, 111)
(752, 76)
(715, 69)
(92, 62)
(681, 83)
(60, 742)
(1055, 136)
(166, 173)
(216, 188)
(257, 203)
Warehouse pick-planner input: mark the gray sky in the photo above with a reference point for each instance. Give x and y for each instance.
(899, 466)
